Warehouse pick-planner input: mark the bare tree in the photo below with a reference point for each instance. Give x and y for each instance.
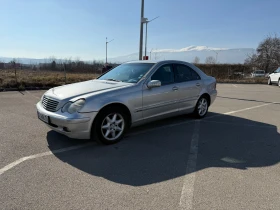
(267, 55)
(77, 59)
(53, 65)
(210, 60)
(251, 59)
(196, 60)
(14, 65)
(52, 58)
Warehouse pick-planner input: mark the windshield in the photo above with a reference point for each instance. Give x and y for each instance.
(129, 72)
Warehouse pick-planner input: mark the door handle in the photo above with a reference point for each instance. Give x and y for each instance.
(175, 88)
(197, 84)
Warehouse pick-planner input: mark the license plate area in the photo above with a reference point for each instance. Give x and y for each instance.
(43, 117)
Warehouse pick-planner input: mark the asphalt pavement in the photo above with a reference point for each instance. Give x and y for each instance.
(228, 160)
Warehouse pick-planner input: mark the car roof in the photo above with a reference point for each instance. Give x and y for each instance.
(141, 61)
(154, 62)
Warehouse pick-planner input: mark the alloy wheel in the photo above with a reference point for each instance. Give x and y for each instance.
(112, 126)
(202, 107)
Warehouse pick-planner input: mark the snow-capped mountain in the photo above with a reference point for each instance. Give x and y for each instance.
(23, 60)
(223, 55)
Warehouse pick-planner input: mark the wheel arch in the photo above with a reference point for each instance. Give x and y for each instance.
(208, 97)
(116, 105)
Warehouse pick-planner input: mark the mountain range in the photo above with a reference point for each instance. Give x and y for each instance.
(223, 55)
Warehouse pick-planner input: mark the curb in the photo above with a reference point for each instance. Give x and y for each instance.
(27, 88)
(244, 83)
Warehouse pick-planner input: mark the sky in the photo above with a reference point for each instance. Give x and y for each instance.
(78, 29)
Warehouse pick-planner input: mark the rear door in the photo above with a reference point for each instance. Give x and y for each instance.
(160, 100)
(189, 86)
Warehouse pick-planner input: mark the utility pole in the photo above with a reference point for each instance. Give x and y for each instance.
(147, 21)
(151, 53)
(217, 52)
(106, 47)
(141, 30)
(146, 38)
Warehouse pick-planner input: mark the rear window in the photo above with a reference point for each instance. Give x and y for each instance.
(184, 73)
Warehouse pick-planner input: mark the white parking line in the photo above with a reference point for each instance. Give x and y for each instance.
(183, 123)
(189, 180)
(241, 110)
(13, 164)
(32, 95)
(236, 124)
(253, 107)
(8, 167)
(234, 85)
(186, 200)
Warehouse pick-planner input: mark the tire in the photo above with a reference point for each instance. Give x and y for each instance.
(201, 108)
(269, 81)
(110, 126)
(279, 82)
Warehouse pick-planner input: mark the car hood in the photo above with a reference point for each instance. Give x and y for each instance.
(81, 88)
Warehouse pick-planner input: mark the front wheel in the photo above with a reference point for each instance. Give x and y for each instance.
(201, 108)
(110, 126)
(279, 82)
(269, 81)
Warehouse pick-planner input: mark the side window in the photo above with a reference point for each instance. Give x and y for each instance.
(184, 73)
(164, 74)
(278, 70)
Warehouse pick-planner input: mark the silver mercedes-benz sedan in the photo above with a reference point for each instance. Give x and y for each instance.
(128, 95)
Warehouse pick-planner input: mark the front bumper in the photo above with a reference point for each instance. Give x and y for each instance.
(76, 126)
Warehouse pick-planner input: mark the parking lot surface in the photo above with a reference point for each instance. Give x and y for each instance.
(228, 160)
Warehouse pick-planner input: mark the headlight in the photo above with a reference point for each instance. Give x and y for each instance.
(72, 107)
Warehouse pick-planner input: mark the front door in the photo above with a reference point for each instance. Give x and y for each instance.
(161, 100)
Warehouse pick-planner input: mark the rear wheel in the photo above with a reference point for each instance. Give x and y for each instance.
(110, 125)
(201, 108)
(269, 81)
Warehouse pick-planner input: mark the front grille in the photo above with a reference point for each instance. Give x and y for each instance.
(49, 104)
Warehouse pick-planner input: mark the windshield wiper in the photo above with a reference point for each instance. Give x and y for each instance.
(113, 80)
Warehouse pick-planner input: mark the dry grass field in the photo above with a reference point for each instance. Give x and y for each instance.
(41, 79)
(30, 78)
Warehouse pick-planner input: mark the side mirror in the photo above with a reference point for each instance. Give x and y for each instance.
(154, 83)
